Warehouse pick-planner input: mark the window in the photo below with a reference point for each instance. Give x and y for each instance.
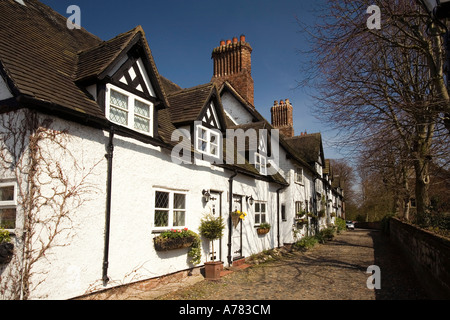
(207, 141)
(260, 212)
(129, 110)
(170, 209)
(283, 212)
(8, 203)
(261, 163)
(298, 176)
(299, 206)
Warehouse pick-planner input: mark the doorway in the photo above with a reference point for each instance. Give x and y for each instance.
(215, 208)
(237, 230)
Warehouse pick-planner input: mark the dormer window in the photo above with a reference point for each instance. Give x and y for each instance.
(208, 141)
(129, 110)
(261, 163)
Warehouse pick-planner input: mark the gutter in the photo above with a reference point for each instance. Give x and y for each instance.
(109, 156)
(230, 223)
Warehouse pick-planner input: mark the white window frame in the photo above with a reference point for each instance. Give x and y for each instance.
(261, 163)
(260, 213)
(171, 209)
(209, 133)
(9, 204)
(131, 106)
(298, 175)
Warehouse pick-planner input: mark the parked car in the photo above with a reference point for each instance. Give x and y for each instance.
(350, 225)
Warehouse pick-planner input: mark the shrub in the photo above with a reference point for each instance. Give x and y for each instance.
(306, 243)
(326, 235)
(4, 236)
(340, 224)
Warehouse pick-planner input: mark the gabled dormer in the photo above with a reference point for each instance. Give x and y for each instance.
(121, 76)
(199, 111)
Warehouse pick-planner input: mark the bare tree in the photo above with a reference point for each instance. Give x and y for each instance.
(372, 82)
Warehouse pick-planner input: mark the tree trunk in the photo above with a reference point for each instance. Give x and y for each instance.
(422, 197)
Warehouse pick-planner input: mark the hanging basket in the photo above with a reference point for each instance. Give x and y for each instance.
(262, 231)
(235, 218)
(163, 244)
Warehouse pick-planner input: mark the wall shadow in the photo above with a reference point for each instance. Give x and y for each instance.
(398, 280)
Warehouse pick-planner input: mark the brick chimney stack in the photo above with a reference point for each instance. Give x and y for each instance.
(282, 117)
(233, 63)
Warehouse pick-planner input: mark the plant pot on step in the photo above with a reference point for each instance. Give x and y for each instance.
(213, 269)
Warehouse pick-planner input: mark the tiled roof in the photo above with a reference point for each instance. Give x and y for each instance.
(38, 53)
(186, 104)
(93, 61)
(307, 146)
(46, 62)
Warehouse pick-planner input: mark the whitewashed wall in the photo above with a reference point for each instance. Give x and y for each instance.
(73, 265)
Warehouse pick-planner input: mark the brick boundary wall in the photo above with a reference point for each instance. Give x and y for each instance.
(427, 253)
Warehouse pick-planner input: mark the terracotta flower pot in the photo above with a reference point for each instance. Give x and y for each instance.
(213, 269)
(262, 231)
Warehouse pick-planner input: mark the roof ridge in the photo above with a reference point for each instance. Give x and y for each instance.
(131, 33)
(187, 90)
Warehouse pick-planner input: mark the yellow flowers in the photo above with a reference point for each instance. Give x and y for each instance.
(241, 214)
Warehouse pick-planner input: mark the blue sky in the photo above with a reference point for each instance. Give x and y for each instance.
(182, 35)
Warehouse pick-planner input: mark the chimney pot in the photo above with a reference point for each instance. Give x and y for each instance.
(228, 42)
(222, 43)
(235, 40)
(242, 38)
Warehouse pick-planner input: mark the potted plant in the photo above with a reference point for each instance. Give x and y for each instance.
(300, 214)
(321, 213)
(263, 228)
(301, 222)
(6, 247)
(212, 229)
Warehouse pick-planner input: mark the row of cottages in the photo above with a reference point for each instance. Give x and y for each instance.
(100, 154)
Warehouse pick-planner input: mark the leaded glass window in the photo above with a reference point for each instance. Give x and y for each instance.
(141, 116)
(179, 210)
(170, 209)
(118, 108)
(129, 110)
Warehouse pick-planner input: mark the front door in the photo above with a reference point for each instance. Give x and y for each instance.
(237, 230)
(215, 209)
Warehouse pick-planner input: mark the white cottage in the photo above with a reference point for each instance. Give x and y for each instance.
(100, 154)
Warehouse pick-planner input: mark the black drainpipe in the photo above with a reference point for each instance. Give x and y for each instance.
(278, 214)
(230, 223)
(109, 156)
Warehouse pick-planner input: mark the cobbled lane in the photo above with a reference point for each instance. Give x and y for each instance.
(332, 271)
